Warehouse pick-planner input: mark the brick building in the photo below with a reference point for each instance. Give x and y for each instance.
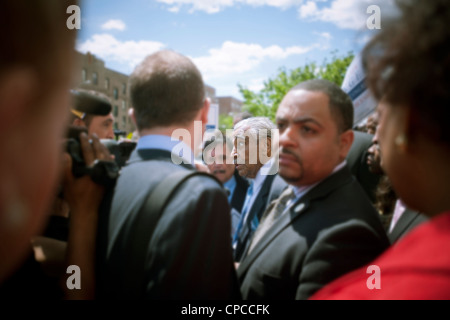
(229, 105)
(95, 76)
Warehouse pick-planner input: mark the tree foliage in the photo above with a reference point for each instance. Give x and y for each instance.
(265, 102)
(225, 122)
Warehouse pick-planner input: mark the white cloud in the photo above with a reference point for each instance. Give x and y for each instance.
(214, 6)
(307, 10)
(346, 14)
(174, 9)
(323, 39)
(237, 58)
(325, 35)
(114, 25)
(256, 85)
(129, 53)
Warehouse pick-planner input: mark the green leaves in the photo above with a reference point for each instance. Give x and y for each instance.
(265, 102)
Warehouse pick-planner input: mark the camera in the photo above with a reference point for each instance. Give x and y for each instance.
(102, 172)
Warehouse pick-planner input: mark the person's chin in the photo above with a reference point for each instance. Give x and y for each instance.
(288, 173)
(241, 170)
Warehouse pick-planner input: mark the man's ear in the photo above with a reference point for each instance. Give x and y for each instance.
(132, 115)
(79, 122)
(346, 141)
(17, 91)
(269, 147)
(205, 111)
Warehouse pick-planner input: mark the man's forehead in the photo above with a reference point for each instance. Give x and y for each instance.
(302, 100)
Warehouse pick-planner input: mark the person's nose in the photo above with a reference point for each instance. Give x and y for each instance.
(110, 134)
(287, 137)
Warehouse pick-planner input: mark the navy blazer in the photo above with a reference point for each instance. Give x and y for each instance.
(357, 163)
(240, 191)
(189, 255)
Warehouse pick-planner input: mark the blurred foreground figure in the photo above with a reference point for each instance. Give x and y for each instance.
(415, 149)
(36, 63)
(189, 255)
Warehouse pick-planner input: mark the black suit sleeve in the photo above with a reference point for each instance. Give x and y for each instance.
(192, 256)
(337, 251)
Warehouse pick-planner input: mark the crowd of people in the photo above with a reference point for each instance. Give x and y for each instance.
(295, 209)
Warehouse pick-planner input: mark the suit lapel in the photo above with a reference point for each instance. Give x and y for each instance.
(295, 210)
(261, 198)
(260, 201)
(285, 220)
(237, 201)
(403, 223)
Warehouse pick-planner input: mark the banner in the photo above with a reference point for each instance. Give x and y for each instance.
(354, 85)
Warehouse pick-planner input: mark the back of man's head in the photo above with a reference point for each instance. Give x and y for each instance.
(341, 106)
(166, 89)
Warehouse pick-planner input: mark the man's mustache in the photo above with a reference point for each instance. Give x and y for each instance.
(289, 152)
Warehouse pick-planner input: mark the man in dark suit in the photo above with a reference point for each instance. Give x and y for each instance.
(189, 255)
(322, 225)
(399, 219)
(253, 142)
(216, 153)
(357, 162)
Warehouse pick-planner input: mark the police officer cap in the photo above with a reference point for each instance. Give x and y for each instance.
(89, 103)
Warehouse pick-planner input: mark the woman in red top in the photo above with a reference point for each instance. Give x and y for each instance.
(408, 71)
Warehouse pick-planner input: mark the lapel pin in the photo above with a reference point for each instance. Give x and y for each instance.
(299, 207)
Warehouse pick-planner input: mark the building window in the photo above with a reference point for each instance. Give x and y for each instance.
(116, 111)
(107, 83)
(83, 75)
(124, 121)
(124, 105)
(124, 88)
(116, 93)
(95, 78)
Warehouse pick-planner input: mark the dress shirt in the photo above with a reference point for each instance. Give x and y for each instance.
(230, 185)
(258, 182)
(398, 211)
(167, 143)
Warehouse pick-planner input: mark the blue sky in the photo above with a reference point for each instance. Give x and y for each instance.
(231, 41)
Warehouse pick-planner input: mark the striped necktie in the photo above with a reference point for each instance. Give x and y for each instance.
(243, 212)
(271, 215)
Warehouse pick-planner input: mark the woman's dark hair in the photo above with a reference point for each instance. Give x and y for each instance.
(408, 63)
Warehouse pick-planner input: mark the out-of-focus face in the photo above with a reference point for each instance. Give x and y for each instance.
(102, 126)
(30, 169)
(393, 161)
(247, 152)
(310, 144)
(222, 170)
(374, 157)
